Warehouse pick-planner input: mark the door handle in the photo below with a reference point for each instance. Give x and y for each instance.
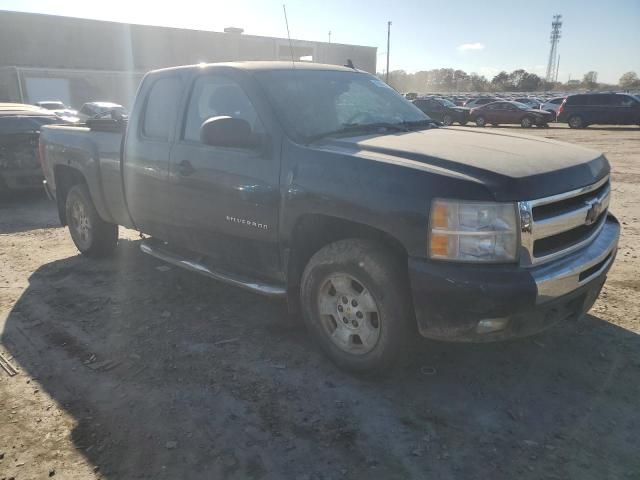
(185, 168)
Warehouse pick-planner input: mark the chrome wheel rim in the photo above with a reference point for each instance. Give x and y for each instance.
(575, 121)
(349, 314)
(447, 120)
(526, 122)
(480, 121)
(80, 223)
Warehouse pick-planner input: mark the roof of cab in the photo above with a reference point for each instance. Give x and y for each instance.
(265, 66)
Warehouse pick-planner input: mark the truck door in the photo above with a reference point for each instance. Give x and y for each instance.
(146, 165)
(225, 200)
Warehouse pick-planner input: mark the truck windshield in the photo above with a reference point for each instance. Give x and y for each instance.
(314, 103)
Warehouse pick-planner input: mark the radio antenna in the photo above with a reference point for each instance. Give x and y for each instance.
(293, 62)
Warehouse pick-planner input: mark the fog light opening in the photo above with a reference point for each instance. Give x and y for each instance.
(489, 325)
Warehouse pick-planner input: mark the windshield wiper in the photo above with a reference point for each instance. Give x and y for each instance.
(361, 127)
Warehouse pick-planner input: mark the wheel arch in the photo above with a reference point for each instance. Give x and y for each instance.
(65, 178)
(312, 232)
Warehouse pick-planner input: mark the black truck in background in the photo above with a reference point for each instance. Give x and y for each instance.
(322, 186)
(20, 126)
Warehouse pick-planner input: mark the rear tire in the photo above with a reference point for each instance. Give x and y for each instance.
(355, 301)
(464, 122)
(447, 120)
(481, 121)
(576, 121)
(92, 236)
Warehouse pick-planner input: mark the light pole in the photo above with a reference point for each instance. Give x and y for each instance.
(329, 36)
(388, 44)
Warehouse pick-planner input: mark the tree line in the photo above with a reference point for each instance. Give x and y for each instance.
(452, 80)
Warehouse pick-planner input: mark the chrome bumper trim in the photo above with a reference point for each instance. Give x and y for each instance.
(562, 277)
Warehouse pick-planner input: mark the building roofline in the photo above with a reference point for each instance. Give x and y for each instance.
(149, 25)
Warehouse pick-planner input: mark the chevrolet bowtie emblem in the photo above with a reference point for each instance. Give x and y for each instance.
(595, 209)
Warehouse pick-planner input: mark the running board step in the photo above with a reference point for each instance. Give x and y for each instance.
(155, 249)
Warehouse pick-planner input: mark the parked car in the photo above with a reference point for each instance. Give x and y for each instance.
(98, 109)
(530, 101)
(19, 131)
(585, 109)
(552, 105)
(497, 113)
(476, 102)
(443, 110)
(323, 186)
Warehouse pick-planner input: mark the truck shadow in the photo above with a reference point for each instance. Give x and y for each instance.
(171, 375)
(25, 211)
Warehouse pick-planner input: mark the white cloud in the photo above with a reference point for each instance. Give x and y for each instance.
(471, 46)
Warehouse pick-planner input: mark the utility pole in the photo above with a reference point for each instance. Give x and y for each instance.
(557, 69)
(329, 36)
(388, 44)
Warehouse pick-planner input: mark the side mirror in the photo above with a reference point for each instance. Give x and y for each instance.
(227, 132)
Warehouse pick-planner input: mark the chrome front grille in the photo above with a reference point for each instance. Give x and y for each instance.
(555, 226)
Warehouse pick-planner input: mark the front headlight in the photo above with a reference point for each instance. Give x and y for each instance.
(473, 231)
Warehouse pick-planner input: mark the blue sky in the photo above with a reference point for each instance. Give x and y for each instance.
(499, 34)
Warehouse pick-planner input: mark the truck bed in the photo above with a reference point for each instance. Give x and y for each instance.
(94, 150)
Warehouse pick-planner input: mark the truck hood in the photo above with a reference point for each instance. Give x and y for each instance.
(511, 166)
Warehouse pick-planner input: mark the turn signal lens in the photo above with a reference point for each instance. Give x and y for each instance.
(440, 216)
(440, 245)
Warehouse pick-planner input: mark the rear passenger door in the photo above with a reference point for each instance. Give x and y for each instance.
(225, 199)
(148, 145)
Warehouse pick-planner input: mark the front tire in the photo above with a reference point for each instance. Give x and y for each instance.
(576, 121)
(356, 306)
(92, 236)
(481, 121)
(447, 120)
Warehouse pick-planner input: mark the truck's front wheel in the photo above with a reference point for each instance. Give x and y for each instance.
(92, 236)
(355, 302)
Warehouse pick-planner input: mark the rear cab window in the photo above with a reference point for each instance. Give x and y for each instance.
(161, 108)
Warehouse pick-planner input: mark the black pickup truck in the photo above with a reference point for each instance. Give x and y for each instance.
(323, 186)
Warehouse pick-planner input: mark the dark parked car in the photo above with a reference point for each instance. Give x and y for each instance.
(19, 131)
(443, 110)
(582, 110)
(322, 186)
(497, 113)
(479, 101)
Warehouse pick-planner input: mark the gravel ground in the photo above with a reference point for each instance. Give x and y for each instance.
(128, 369)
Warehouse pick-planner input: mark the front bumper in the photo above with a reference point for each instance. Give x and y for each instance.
(451, 299)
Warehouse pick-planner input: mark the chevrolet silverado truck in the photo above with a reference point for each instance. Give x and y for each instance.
(323, 186)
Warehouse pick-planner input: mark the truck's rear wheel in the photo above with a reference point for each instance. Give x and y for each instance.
(355, 302)
(92, 236)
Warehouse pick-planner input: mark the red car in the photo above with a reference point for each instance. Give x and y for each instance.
(509, 112)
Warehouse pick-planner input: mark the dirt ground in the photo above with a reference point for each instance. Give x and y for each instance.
(128, 369)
